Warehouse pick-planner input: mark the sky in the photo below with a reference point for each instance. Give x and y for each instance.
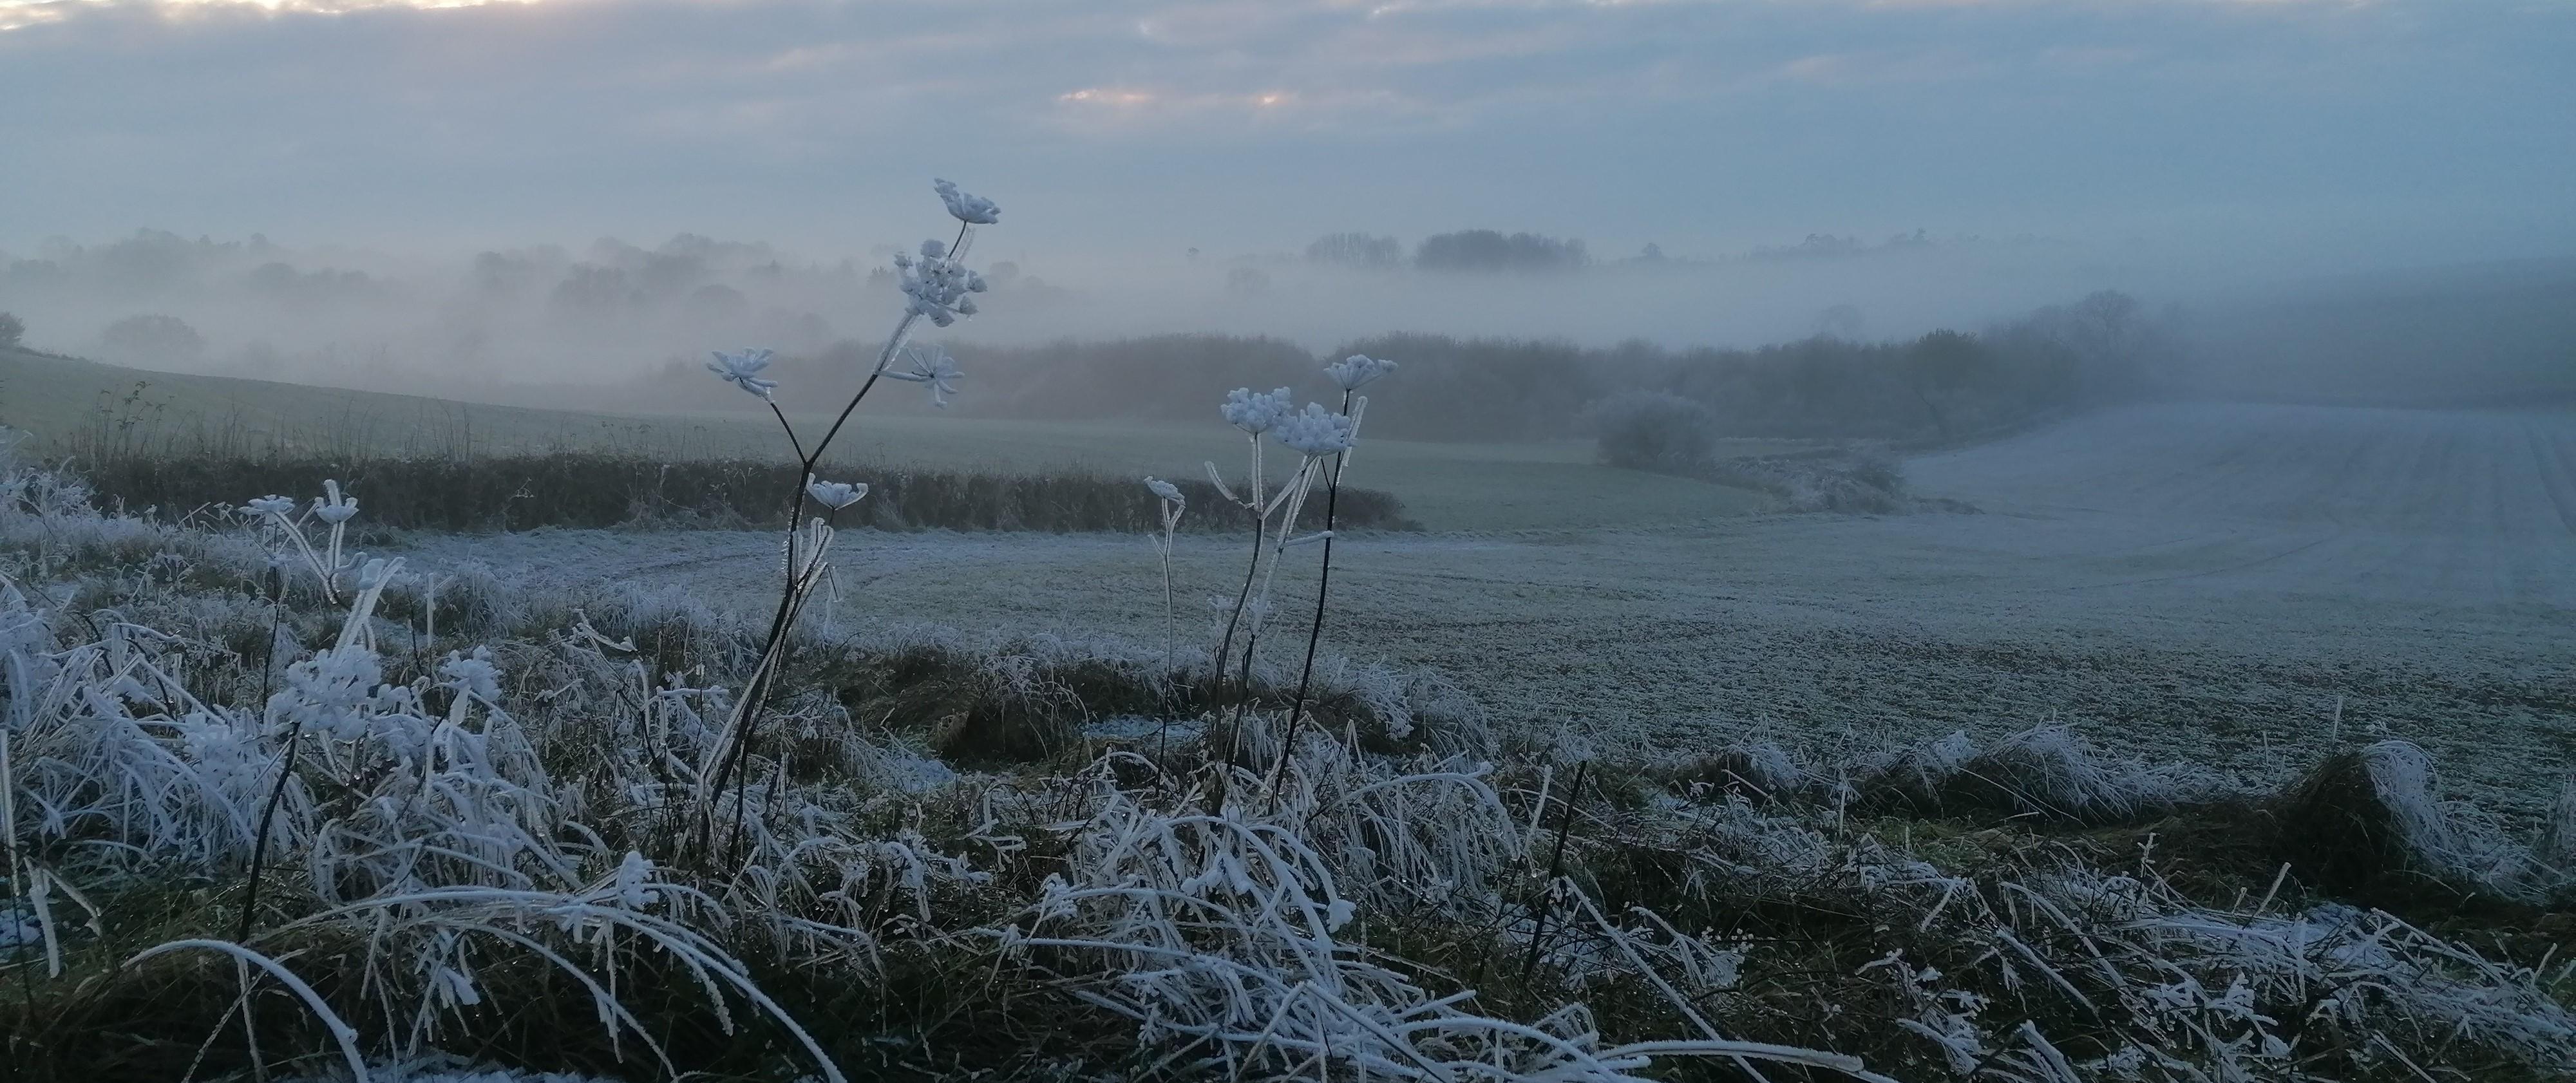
(2302, 134)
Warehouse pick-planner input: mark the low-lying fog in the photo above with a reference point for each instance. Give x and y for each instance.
(571, 325)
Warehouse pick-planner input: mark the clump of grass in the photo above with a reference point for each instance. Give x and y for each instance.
(2048, 772)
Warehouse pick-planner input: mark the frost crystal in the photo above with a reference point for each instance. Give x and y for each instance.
(1317, 431)
(974, 210)
(934, 367)
(742, 369)
(1256, 412)
(1357, 370)
(835, 494)
(1165, 490)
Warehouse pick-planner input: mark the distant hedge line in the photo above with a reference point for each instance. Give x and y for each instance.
(523, 492)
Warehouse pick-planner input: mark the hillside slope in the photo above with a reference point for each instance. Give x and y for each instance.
(65, 403)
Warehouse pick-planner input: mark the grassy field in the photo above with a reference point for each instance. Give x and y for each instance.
(68, 405)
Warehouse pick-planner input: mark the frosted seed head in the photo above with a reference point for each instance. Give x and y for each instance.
(1317, 431)
(974, 210)
(1165, 490)
(835, 495)
(1255, 412)
(1357, 370)
(741, 368)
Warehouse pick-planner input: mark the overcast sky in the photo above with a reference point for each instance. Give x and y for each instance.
(2386, 132)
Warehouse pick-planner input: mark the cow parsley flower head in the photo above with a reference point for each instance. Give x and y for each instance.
(742, 369)
(333, 507)
(1165, 490)
(270, 505)
(1256, 412)
(932, 366)
(835, 494)
(974, 210)
(1354, 372)
(1317, 431)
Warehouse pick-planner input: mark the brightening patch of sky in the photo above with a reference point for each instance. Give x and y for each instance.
(2380, 130)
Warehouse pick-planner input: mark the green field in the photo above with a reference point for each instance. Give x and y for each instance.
(68, 406)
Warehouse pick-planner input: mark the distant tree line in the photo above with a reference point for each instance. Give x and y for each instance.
(1469, 250)
(1945, 383)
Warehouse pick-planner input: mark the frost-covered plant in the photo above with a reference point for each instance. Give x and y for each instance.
(1173, 505)
(938, 287)
(328, 564)
(1350, 374)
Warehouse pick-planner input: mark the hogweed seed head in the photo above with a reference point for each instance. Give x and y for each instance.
(1165, 490)
(974, 210)
(270, 505)
(932, 366)
(1256, 412)
(333, 507)
(1317, 432)
(742, 369)
(1357, 370)
(835, 494)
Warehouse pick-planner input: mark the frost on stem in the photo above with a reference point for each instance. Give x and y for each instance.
(741, 368)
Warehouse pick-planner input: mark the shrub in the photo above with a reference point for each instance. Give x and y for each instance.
(151, 338)
(1652, 430)
(12, 329)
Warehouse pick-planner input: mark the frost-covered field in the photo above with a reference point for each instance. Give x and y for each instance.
(952, 808)
(2207, 582)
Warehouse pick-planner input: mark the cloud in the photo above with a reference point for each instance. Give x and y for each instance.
(1256, 124)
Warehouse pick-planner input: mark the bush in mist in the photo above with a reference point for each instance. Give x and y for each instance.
(1946, 385)
(151, 338)
(1356, 250)
(1490, 250)
(11, 329)
(1652, 430)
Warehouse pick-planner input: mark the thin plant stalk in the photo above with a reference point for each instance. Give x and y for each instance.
(756, 692)
(1323, 589)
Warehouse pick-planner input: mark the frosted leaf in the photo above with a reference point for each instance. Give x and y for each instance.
(1357, 370)
(835, 494)
(974, 210)
(742, 369)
